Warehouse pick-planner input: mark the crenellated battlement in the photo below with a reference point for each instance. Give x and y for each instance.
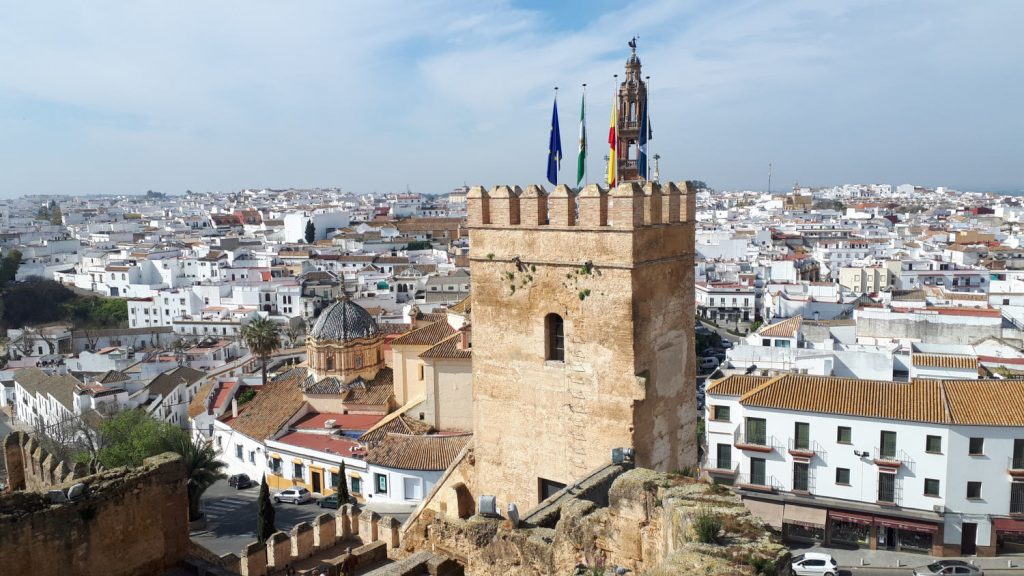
(627, 206)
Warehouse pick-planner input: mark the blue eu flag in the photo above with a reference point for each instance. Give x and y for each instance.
(554, 148)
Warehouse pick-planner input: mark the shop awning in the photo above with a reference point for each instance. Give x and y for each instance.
(354, 474)
(910, 525)
(1008, 525)
(297, 461)
(804, 516)
(334, 469)
(770, 512)
(864, 519)
(275, 455)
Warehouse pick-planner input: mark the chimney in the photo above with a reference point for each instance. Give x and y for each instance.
(463, 339)
(234, 408)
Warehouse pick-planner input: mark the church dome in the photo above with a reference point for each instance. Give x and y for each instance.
(344, 320)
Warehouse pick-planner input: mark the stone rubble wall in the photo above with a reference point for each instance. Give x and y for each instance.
(30, 467)
(647, 527)
(130, 521)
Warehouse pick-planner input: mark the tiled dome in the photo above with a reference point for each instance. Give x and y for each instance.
(344, 320)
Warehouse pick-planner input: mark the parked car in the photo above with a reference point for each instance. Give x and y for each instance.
(814, 564)
(726, 344)
(240, 481)
(945, 567)
(295, 495)
(707, 363)
(332, 501)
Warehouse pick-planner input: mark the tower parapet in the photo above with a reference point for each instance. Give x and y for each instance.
(583, 313)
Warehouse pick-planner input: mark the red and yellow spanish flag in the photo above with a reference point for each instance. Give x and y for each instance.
(613, 156)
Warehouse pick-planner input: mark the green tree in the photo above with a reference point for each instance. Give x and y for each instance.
(35, 301)
(56, 217)
(201, 467)
(9, 267)
(132, 436)
(342, 487)
(263, 337)
(310, 231)
(264, 514)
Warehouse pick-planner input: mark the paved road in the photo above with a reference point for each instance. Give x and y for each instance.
(722, 332)
(231, 517)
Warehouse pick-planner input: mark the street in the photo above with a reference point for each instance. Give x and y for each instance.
(231, 517)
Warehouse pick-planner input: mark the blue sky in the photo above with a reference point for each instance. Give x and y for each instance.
(122, 97)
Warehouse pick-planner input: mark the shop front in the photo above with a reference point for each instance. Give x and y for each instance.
(904, 535)
(849, 529)
(804, 524)
(1009, 535)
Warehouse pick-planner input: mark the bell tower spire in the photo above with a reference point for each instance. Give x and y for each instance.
(632, 102)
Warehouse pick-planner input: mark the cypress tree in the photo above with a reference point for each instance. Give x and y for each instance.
(264, 514)
(342, 486)
(310, 231)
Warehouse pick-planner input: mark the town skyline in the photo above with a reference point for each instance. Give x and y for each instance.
(106, 100)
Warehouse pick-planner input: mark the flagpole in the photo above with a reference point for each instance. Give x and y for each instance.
(615, 150)
(586, 165)
(647, 141)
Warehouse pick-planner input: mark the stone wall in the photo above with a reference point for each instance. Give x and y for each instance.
(30, 467)
(131, 521)
(646, 527)
(617, 267)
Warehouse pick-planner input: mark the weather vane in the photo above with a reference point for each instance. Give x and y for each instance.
(632, 43)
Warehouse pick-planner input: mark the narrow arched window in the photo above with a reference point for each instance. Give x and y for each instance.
(554, 331)
(330, 362)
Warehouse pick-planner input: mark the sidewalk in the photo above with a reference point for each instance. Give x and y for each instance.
(851, 559)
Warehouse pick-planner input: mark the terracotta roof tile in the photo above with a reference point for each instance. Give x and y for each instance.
(986, 402)
(273, 406)
(464, 306)
(918, 401)
(429, 335)
(418, 452)
(785, 329)
(945, 361)
(736, 385)
(401, 424)
(450, 347)
(198, 404)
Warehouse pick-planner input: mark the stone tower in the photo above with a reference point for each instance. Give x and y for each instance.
(632, 99)
(583, 311)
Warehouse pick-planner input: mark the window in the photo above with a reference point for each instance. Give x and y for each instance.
(843, 476)
(554, 331)
(275, 466)
(802, 436)
(801, 480)
(933, 444)
(720, 413)
(886, 487)
(723, 452)
(420, 370)
(757, 476)
(381, 481)
(297, 471)
(766, 342)
(931, 487)
(1018, 454)
(977, 447)
(1017, 498)
(844, 435)
(756, 429)
(252, 456)
(238, 451)
(357, 486)
(974, 490)
(887, 447)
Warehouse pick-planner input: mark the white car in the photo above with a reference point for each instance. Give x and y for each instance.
(295, 495)
(814, 564)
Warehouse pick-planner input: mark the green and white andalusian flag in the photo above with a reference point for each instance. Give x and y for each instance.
(581, 162)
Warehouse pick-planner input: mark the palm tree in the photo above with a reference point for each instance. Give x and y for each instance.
(263, 337)
(201, 467)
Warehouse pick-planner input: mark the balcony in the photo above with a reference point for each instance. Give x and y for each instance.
(891, 460)
(1015, 466)
(804, 450)
(755, 442)
(757, 483)
(728, 468)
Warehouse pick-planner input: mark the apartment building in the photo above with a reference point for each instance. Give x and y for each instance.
(927, 466)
